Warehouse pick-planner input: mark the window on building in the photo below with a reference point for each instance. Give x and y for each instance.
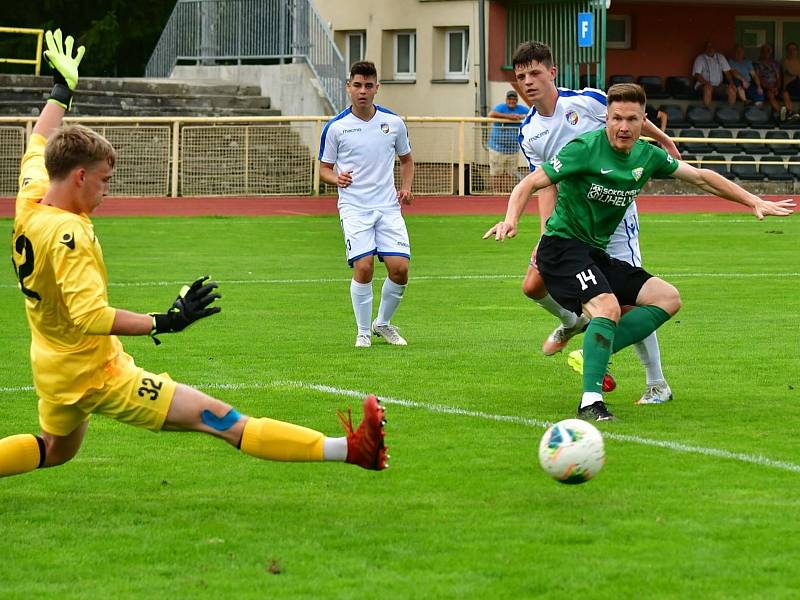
(355, 47)
(618, 31)
(456, 50)
(405, 55)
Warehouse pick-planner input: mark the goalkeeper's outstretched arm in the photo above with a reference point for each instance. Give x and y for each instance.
(192, 304)
(64, 64)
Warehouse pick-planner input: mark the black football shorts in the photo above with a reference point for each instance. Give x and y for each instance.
(574, 272)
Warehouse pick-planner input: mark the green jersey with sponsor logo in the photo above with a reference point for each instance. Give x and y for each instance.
(597, 183)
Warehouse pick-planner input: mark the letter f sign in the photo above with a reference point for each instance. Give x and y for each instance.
(585, 27)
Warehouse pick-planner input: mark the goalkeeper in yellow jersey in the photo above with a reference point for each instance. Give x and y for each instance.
(79, 365)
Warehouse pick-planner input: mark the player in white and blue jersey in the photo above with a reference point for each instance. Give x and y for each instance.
(361, 143)
(557, 117)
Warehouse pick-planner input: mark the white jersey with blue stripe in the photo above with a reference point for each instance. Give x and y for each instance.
(368, 149)
(576, 113)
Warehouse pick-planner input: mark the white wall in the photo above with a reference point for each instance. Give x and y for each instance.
(290, 87)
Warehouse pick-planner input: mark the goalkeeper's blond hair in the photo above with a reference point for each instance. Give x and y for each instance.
(76, 146)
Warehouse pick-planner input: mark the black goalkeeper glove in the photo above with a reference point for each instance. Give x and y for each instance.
(191, 305)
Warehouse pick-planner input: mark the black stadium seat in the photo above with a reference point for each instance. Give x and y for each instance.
(795, 171)
(621, 79)
(749, 134)
(653, 87)
(695, 147)
(758, 117)
(730, 116)
(675, 118)
(747, 171)
(782, 149)
(724, 148)
(701, 116)
(775, 172)
(680, 88)
(588, 81)
(717, 164)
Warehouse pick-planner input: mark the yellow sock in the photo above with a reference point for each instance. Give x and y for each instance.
(19, 454)
(276, 440)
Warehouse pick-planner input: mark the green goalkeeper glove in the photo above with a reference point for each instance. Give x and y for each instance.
(64, 65)
(192, 304)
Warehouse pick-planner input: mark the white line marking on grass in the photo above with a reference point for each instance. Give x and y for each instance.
(520, 275)
(528, 422)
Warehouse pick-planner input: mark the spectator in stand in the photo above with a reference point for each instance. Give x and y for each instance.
(745, 78)
(712, 74)
(656, 116)
(769, 72)
(504, 143)
(791, 78)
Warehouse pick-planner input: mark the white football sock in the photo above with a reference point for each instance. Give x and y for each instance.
(361, 295)
(391, 294)
(650, 354)
(590, 398)
(567, 317)
(334, 448)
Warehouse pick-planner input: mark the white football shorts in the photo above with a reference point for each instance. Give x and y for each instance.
(381, 232)
(624, 242)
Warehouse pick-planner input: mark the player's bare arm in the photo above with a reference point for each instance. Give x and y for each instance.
(517, 203)
(546, 202)
(716, 184)
(331, 177)
(404, 195)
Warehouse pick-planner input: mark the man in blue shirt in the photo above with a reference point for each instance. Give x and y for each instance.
(503, 142)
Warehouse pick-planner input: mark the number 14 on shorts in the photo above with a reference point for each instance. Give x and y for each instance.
(584, 277)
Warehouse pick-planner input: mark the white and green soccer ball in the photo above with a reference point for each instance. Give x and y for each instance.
(571, 451)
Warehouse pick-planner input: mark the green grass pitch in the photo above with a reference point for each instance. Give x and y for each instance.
(464, 511)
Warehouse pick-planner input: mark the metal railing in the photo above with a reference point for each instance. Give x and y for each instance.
(37, 61)
(208, 32)
(258, 156)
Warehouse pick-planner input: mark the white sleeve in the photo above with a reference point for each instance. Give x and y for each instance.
(329, 144)
(697, 67)
(723, 62)
(402, 146)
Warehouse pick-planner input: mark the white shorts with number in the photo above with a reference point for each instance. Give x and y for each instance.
(624, 242)
(381, 232)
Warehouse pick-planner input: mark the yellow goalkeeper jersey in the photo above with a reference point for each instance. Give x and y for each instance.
(60, 268)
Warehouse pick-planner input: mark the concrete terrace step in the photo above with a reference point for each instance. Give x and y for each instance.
(23, 95)
(33, 108)
(136, 85)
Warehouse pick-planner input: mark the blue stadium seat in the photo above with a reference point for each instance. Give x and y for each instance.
(724, 148)
(701, 116)
(794, 170)
(747, 171)
(782, 149)
(680, 88)
(775, 172)
(695, 147)
(730, 116)
(653, 87)
(675, 118)
(749, 134)
(715, 165)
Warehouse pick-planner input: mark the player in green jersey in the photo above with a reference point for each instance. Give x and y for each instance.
(600, 174)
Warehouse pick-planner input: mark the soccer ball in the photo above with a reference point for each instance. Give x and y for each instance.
(571, 451)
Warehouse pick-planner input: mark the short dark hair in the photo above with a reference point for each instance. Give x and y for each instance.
(527, 52)
(365, 68)
(626, 92)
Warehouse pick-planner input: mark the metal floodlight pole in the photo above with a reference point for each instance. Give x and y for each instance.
(482, 56)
